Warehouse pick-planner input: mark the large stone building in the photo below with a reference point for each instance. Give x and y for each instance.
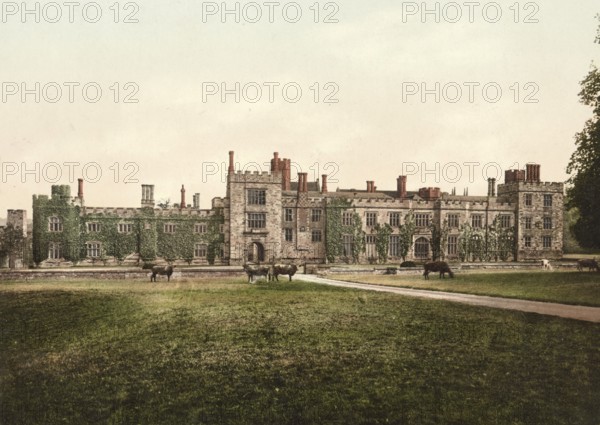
(266, 217)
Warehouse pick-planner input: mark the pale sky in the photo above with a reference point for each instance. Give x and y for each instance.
(374, 58)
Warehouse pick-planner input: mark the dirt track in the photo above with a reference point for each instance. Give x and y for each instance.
(589, 314)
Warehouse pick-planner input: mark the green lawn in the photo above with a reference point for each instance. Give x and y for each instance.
(225, 352)
(568, 287)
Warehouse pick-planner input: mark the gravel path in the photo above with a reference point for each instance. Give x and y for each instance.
(590, 314)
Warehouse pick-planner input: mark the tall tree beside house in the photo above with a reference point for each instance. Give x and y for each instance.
(584, 165)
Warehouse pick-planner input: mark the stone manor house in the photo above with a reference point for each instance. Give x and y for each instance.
(267, 217)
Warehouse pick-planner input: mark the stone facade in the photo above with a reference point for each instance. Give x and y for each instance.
(265, 217)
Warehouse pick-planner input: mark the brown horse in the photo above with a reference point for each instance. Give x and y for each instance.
(437, 266)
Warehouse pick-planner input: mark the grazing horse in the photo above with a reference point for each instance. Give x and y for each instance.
(590, 264)
(437, 266)
(546, 265)
(168, 270)
(289, 269)
(257, 270)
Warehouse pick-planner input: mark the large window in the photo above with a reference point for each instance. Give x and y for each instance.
(93, 227)
(528, 223)
(504, 221)
(422, 220)
(200, 250)
(94, 249)
(371, 247)
(348, 243)
(169, 228)
(371, 218)
(476, 221)
(54, 251)
(547, 241)
(125, 227)
(288, 214)
(289, 235)
(200, 228)
(394, 246)
(452, 245)
(547, 200)
(257, 197)
(347, 218)
(257, 220)
(395, 219)
(547, 223)
(528, 199)
(317, 236)
(527, 241)
(55, 224)
(421, 248)
(316, 215)
(453, 220)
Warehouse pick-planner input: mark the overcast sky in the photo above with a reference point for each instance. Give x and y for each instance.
(388, 89)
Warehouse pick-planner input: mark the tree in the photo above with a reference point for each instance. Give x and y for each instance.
(407, 231)
(584, 165)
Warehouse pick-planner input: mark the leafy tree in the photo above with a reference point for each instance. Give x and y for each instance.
(407, 231)
(584, 165)
(383, 241)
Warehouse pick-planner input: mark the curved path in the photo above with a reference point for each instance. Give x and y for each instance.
(590, 314)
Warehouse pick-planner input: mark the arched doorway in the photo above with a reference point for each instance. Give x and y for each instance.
(422, 249)
(256, 252)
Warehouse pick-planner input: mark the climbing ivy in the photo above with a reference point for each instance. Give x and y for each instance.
(334, 242)
(358, 237)
(58, 205)
(439, 239)
(407, 231)
(382, 242)
(486, 244)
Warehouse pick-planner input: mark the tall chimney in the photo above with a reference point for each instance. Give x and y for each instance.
(324, 183)
(80, 189)
(287, 174)
(231, 169)
(401, 187)
(275, 162)
(148, 195)
(300, 182)
(196, 200)
(493, 187)
(182, 203)
(490, 191)
(305, 181)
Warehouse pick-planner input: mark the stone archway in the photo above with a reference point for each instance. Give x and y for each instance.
(256, 253)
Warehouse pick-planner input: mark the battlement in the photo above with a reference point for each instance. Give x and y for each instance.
(255, 177)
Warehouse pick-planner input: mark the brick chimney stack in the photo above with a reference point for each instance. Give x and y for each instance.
(80, 189)
(276, 163)
(401, 187)
(231, 169)
(491, 188)
(324, 183)
(532, 173)
(182, 203)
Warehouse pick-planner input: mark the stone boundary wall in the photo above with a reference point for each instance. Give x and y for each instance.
(237, 271)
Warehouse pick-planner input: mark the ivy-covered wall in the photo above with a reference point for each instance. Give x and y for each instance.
(146, 234)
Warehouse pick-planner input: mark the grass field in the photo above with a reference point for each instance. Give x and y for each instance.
(225, 352)
(568, 287)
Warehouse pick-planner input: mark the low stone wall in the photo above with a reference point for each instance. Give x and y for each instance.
(115, 273)
(136, 273)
